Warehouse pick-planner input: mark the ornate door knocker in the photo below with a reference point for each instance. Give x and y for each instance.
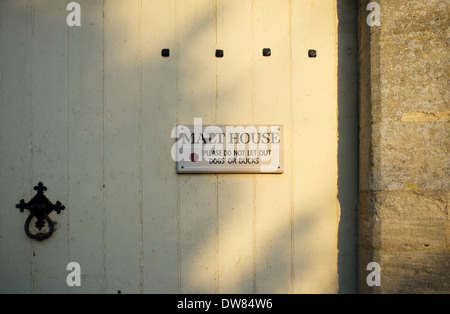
(40, 207)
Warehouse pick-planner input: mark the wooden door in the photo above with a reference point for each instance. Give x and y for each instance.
(88, 110)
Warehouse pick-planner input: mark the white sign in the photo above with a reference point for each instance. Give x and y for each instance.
(228, 149)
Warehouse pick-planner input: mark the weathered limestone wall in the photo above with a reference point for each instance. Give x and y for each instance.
(404, 222)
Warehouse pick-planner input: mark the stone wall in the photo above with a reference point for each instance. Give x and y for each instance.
(404, 182)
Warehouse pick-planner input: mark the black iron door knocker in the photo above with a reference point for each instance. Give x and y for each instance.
(40, 207)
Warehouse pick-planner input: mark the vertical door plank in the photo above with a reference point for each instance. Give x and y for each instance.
(122, 145)
(234, 107)
(49, 137)
(235, 70)
(15, 56)
(315, 156)
(159, 116)
(236, 234)
(86, 245)
(272, 106)
(197, 99)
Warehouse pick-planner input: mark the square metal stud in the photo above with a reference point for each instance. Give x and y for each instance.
(219, 53)
(312, 53)
(165, 53)
(267, 52)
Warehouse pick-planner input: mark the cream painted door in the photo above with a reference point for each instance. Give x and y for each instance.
(88, 110)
